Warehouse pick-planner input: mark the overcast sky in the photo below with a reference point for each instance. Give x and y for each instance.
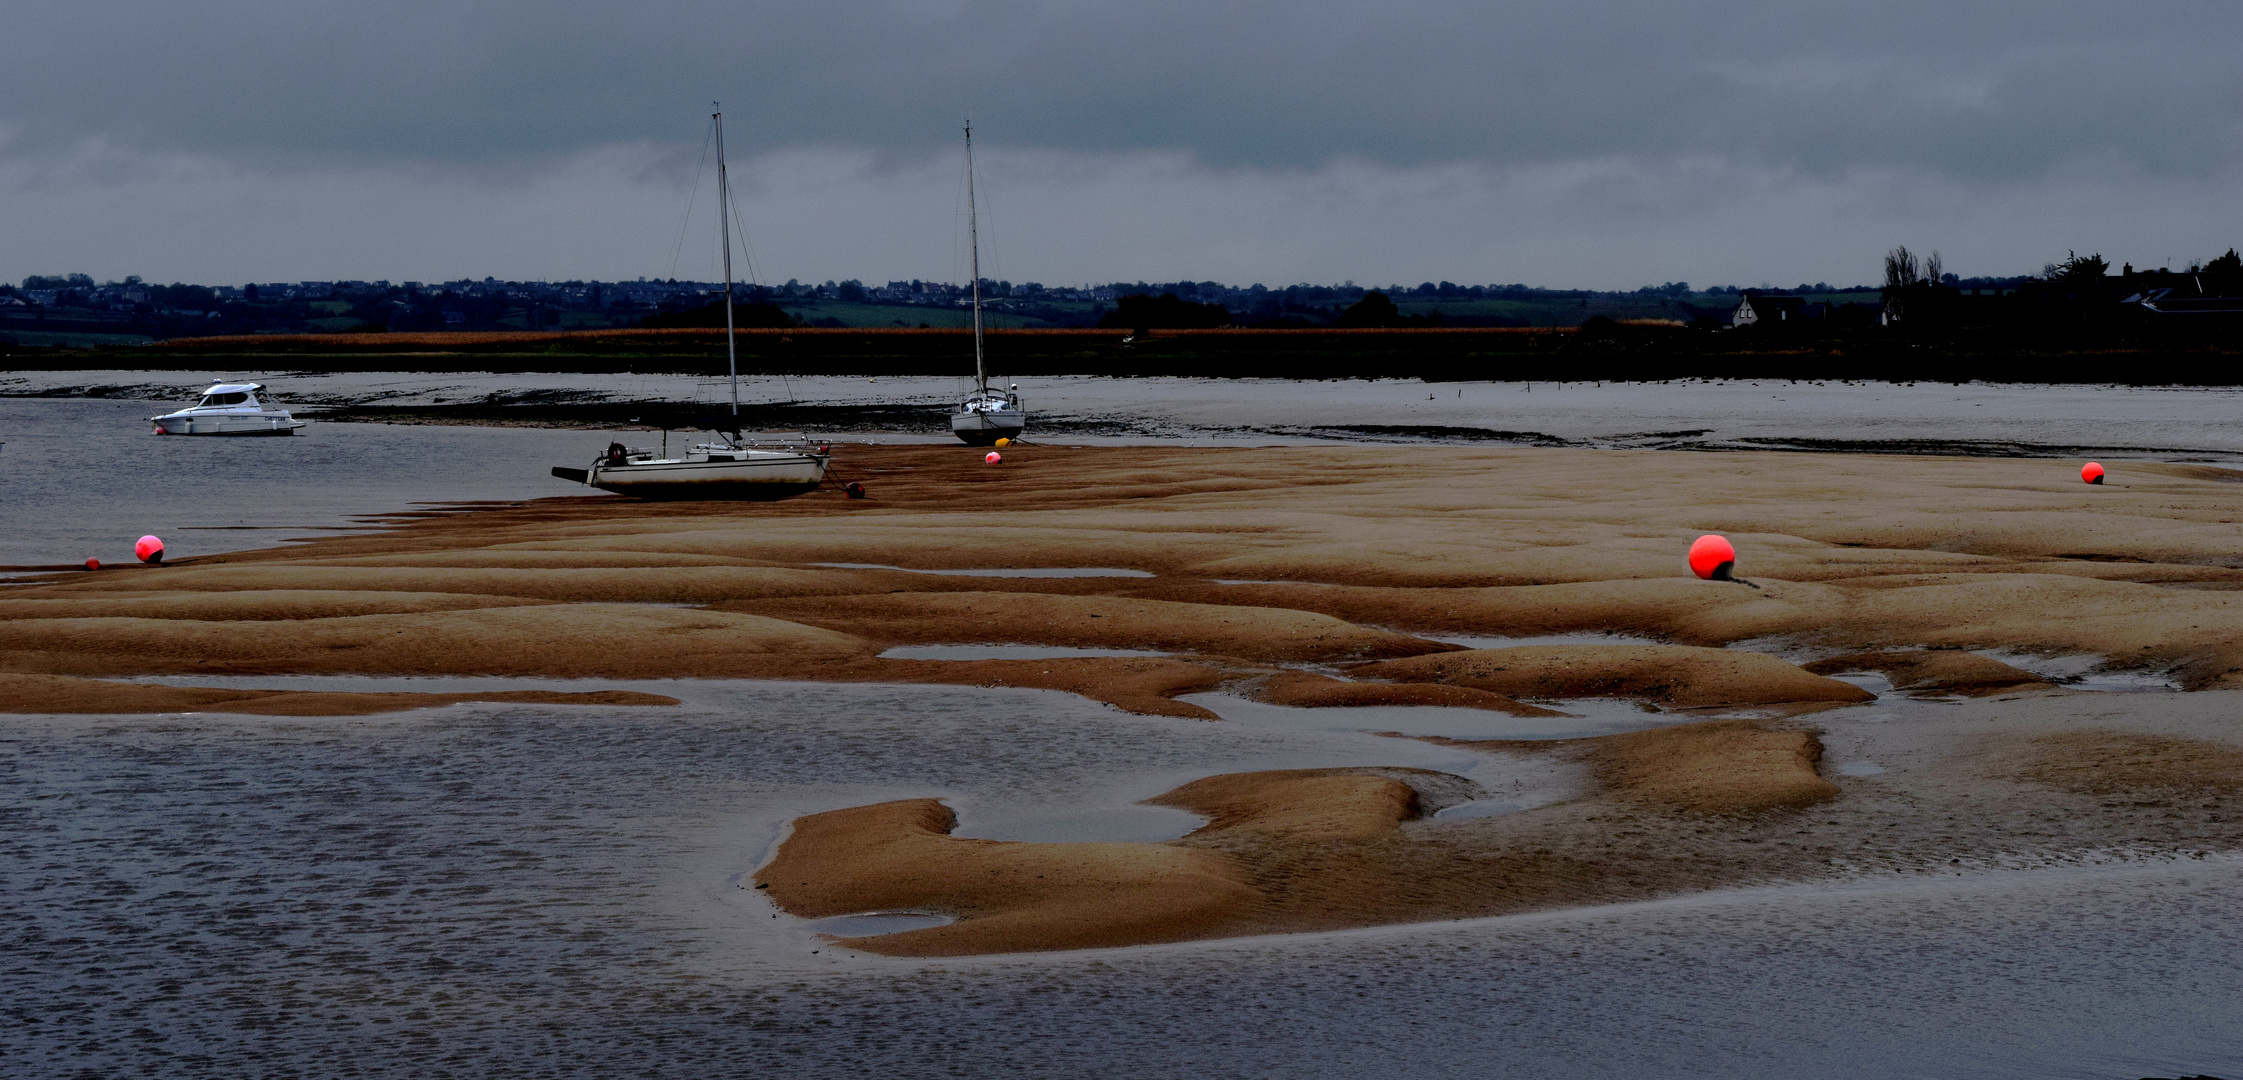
(1590, 144)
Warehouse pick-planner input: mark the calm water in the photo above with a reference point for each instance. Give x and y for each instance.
(83, 478)
(501, 891)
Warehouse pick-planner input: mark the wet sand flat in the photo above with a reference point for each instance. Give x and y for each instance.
(1357, 558)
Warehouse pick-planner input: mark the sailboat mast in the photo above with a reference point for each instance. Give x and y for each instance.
(973, 239)
(724, 230)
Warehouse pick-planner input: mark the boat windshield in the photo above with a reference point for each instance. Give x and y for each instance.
(221, 399)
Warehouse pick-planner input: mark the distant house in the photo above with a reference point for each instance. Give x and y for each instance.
(1757, 308)
(2176, 301)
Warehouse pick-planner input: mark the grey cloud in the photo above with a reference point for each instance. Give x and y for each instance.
(1984, 91)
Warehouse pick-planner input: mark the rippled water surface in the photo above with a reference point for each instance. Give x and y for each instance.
(496, 891)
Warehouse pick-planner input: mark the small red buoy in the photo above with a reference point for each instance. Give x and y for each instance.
(93, 564)
(994, 457)
(1712, 558)
(150, 550)
(2092, 472)
(854, 491)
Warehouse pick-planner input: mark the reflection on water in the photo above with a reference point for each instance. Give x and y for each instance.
(1478, 808)
(1591, 716)
(2086, 672)
(1484, 641)
(869, 923)
(1093, 818)
(1005, 572)
(1005, 652)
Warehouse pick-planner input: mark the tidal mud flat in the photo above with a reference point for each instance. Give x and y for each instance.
(1758, 757)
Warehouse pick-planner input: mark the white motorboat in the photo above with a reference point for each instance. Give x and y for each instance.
(228, 409)
(986, 415)
(729, 469)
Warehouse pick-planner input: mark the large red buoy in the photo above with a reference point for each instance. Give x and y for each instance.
(150, 550)
(994, 457)
(1712, 558)
(2092, 472)
(93, 564)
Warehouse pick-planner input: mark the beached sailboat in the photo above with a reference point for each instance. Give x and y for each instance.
(724, 469)
(228, 409)
(986, 415)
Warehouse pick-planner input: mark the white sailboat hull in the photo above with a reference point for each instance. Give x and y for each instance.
(748, 474)
(981, 428)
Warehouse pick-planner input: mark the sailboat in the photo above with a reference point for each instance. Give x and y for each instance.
(727, 468)
(986, 415)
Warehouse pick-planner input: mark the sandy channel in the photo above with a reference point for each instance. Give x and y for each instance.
(1346, 560)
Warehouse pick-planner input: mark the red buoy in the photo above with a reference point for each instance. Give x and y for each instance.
(1712, 558)
(150, 550)
(2092, 472)
(854, 491)
(93, 564)
(994, 457)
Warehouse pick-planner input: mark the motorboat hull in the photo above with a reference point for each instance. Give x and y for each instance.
(239, 424)
(985, 427)
(761, 477)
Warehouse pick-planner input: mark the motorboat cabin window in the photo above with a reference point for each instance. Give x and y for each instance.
(222, 399)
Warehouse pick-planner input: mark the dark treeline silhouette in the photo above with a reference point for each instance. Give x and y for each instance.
(753, 314)
(2077, 320)
(1167, 311)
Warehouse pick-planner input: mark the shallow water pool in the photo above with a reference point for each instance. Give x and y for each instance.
(1006, 652)
(1004, 572)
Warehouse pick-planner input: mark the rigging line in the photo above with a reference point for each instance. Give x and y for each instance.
(708, 136)
(755, 290)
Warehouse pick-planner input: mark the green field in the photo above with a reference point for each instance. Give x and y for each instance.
(910, 315)
(50, 340)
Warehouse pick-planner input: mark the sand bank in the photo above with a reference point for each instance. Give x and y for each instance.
(1937, 671)
(1350, 555)
(1681, 676)
(1855, 555)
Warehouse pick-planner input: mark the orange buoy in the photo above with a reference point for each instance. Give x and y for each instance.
(93, 564)
(1002, 443)
(994, 457)
(150, 549)
(1712, 558)
(2092, 472)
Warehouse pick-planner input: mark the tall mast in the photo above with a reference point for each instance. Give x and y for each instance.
(724, 229)
(973, 239)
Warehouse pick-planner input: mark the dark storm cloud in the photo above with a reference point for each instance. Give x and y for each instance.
(1977, 92)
